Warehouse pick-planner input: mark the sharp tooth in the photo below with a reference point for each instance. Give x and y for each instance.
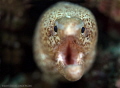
(79, 59)
(60, 59)
(81, 55)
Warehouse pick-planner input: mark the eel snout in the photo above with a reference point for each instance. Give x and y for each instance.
(70, 60)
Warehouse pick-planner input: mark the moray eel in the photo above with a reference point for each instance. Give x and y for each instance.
(65, 41)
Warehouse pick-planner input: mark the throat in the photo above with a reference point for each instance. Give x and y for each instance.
(68, 56)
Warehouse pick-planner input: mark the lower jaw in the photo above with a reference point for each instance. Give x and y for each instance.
(73, 72)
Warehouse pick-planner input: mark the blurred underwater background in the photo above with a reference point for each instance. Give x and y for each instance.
(18, 20)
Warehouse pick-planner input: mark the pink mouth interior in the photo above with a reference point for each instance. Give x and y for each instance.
(68, 56)
(69, 51)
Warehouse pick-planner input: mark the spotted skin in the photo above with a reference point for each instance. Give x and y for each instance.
(60, 53)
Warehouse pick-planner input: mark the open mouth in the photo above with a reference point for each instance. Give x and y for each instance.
(70, 60)
(68, 52)
(68, 56)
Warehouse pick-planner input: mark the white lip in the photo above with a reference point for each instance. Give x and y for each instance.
(74, 72)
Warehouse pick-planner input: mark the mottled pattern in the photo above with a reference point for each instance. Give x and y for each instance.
(48, 43)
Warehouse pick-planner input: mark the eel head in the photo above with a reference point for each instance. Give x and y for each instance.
(70, 52)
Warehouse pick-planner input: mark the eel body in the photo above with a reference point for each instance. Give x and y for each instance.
(65, 41)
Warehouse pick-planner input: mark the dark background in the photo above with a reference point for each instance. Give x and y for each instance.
(18, 20)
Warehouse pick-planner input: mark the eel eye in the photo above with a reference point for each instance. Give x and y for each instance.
(55, 28)
(82, 30)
